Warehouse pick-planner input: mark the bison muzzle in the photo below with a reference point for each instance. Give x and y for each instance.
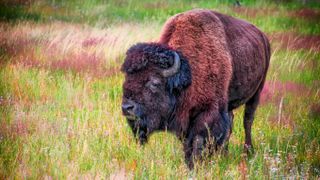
(204, 65)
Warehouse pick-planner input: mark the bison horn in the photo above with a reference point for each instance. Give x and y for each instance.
(174, 68)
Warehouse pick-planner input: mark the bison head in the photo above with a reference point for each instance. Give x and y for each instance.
(155, 75)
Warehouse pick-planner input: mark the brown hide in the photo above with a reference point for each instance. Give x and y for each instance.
(228, 58)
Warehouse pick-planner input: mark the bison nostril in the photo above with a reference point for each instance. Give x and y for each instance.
(127, 107)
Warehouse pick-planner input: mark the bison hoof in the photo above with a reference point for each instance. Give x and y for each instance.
(190, 163)
(225, 151)
(248, 149)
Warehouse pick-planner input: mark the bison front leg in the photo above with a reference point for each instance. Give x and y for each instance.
(207, 126)
(226, 143)
(193, 147)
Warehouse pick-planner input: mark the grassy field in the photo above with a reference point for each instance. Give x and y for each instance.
(61, 88)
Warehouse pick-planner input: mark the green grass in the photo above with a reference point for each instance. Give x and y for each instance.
(289, 66)
(63, 120)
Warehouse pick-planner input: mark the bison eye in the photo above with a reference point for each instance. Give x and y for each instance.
(154, 84)
(153, 88)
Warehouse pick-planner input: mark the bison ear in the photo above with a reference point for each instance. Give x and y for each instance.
(182, 79)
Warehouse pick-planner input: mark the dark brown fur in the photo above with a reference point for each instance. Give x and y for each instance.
(228, 59)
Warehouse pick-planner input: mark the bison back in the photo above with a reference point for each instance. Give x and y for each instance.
(250, 51)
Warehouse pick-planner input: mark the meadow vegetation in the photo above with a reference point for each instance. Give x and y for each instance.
(61, 88)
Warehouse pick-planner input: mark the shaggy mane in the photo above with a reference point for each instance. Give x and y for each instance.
(141, 54)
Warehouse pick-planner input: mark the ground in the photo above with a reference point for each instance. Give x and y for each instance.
(61, 88)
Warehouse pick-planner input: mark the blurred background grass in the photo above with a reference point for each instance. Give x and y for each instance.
(60, 92)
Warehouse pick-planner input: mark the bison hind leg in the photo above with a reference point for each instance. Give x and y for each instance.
(249, 112)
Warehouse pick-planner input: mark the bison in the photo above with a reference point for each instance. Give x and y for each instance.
(204, 65)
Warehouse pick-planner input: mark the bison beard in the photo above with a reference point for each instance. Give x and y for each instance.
(205, 65)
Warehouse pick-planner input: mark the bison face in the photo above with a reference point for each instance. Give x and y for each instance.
(155, 75)
(146, 103)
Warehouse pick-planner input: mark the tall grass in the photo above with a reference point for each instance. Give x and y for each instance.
(60, 93)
